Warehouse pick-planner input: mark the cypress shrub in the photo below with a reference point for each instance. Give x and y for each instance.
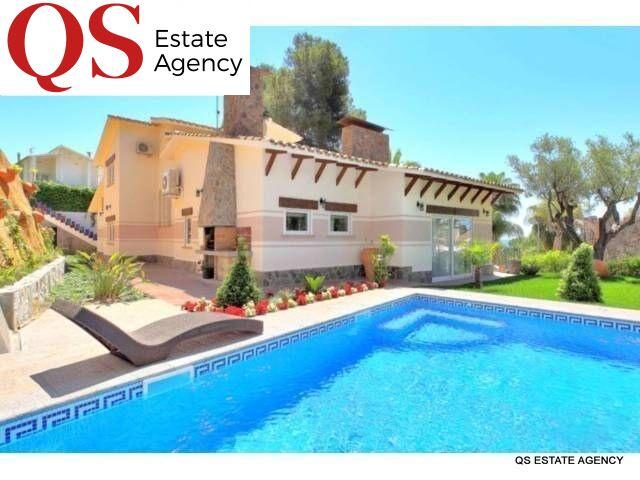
(579, 281)
(239, 286)
(64, 198)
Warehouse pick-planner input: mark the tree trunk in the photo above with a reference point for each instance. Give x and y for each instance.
(477, 275)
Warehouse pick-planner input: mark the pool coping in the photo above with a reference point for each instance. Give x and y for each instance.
(135, 384)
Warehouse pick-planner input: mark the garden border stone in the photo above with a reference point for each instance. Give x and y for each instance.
(23, 300)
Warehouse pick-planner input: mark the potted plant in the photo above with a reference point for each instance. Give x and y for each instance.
(479, 254)
(367, 258)
(381, 260)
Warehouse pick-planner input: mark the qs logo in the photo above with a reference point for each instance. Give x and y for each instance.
(74, 43)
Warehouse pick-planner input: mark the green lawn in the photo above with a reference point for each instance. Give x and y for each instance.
(623, 292)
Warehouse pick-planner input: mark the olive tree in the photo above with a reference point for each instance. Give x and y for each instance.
(613, 173)
(556, 176)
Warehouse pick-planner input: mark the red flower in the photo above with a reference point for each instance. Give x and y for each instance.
(334, 293)
(233, 310)
(262, 307)
(189, 306)
(301, 299)
(319, 297)
(282, 305)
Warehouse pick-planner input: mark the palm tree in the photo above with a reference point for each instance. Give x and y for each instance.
(505, 206)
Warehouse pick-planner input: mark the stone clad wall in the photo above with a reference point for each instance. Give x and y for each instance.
(23, 300)
(244, 114)
(218, 204)
(625, 243)
(365, 143)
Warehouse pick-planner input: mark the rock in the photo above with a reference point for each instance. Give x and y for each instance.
(31, 232)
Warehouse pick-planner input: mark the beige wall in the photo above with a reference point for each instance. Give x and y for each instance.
(382, 206)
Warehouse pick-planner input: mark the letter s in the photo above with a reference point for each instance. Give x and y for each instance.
(130, 48)
(73, 49)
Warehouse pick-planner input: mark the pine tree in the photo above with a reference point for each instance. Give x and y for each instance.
(239, 286)
(579, 281)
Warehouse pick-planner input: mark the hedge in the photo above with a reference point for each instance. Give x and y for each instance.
(625, 266)
(64, 198)
(553, 261)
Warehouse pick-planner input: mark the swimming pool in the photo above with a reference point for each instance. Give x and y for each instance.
(423, 374)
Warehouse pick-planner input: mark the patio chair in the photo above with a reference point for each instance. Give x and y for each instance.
(155, 341)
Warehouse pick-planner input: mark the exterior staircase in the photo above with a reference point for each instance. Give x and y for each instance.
(59, 220)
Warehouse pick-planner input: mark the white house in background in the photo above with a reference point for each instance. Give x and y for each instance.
(61, 165)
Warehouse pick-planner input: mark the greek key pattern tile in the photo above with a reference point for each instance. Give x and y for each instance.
(28, 425)
(21, 427)
(602, 322)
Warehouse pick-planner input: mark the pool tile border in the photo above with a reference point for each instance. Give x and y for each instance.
(538, 313)
(52, 417)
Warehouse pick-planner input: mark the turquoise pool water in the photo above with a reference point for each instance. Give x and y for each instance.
(415, 378)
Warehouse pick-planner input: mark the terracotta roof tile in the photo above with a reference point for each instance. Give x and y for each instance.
(332, 153)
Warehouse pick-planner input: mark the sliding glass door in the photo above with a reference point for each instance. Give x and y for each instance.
(450, 235)
(441, 266)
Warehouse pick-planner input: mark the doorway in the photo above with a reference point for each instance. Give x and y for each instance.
(450, 235)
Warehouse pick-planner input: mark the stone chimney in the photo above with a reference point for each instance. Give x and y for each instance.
(244, 114)
(364, 139)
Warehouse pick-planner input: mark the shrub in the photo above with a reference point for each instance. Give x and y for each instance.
(553, 261)
(625, 266)
(107, 279)
(64, 198)
(579, 281)
(479, 254)
(239, 286)
(314, 284)
(381, 260)
(529, 269)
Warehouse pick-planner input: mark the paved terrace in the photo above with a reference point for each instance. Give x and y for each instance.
(61, 362)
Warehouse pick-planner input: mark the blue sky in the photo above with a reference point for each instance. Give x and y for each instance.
(457, 99)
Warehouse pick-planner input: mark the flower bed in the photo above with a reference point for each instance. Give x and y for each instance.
(284, 301)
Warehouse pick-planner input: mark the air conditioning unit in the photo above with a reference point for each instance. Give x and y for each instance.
(143, 148)
(171, 185)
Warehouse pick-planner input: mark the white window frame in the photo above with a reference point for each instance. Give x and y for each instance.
(187, 232)
(308, 231)
(339, 214)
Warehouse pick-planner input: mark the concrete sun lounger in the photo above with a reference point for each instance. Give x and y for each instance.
(155, 341)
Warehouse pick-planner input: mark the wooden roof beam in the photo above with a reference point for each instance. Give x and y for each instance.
(439, 191)
(477, 194)
(272, 158)
(465, 193)
(344, 166)
(299, 158)
(363, 171)
(496, 198)
(323, 164)
(426, 187)
(484, 199)
(409, 187)
(453, 192)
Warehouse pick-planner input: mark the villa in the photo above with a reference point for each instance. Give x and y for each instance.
(180, 193)
(61, 165)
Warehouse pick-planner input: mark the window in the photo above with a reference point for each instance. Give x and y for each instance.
(339, 224)
(187, 231)
(111, 170)
(297, 222)
(111, 232)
